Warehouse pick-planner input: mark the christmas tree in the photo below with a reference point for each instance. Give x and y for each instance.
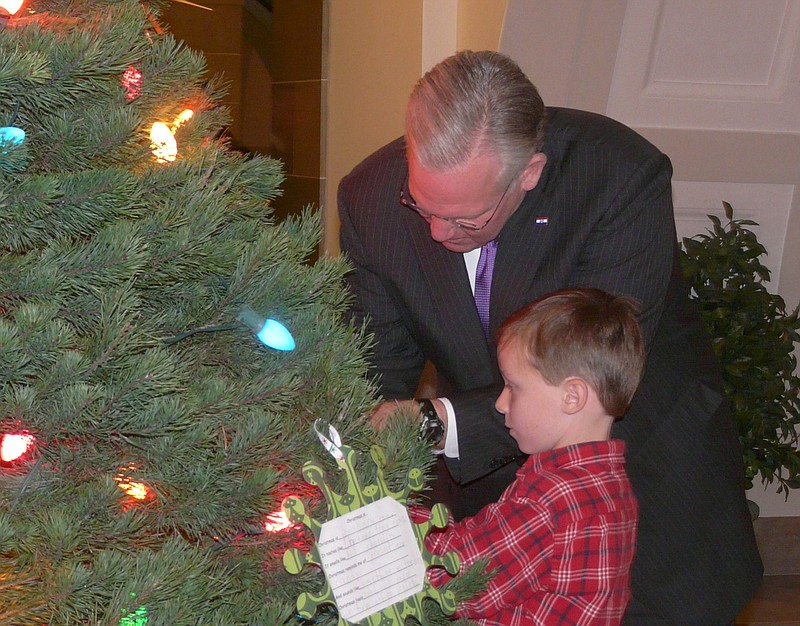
(149, 424)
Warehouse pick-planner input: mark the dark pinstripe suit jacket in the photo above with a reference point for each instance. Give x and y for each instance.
(600, 216)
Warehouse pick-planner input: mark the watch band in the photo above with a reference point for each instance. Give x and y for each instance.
(431, 428)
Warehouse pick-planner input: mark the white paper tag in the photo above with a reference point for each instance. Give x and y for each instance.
(371, 558)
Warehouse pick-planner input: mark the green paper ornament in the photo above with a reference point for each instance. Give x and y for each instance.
(365, 500)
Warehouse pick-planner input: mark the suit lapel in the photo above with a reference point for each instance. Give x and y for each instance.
(521, 250)
(455, 326)
(530, 235)
(446, 276)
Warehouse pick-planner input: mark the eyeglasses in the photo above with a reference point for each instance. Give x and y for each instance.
(407, 201)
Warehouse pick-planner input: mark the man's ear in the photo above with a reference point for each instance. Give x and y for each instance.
(533, 171)
(575, 396)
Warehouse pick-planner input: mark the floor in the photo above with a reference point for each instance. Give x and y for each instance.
(777, 603)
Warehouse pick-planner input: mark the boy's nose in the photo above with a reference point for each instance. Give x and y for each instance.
(500, 404)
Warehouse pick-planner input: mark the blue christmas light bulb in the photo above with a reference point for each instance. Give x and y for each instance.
(10, 135)
(269, 332)
(276, 335)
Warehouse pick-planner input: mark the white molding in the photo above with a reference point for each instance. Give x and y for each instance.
(726, 66)
(767, 204)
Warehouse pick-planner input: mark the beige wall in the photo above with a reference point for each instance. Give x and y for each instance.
(375, 57)
(480, 23)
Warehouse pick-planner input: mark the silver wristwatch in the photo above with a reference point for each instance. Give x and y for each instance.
(431, 428)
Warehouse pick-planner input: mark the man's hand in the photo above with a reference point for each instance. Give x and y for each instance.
(384, 410)
(409, 409)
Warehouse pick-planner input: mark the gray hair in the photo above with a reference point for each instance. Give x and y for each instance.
(475, 102)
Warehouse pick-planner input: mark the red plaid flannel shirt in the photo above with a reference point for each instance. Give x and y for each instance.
(561, 540)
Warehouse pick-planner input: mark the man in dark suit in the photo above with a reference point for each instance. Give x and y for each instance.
(570, 199)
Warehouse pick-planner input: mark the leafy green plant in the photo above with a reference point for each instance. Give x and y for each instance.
(754, 338)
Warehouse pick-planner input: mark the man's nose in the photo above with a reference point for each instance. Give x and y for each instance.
(441, 230)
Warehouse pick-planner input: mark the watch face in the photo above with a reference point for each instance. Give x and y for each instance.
(434, 430)
(431, 428)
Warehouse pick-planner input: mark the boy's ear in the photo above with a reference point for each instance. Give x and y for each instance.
(576, 394)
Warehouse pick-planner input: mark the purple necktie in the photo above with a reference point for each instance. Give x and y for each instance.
(483, 283)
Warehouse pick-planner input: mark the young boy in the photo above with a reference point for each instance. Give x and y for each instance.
(561, 538)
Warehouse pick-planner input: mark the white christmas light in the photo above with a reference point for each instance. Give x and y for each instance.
(134, 489)
(162, 137)
(10, 6)
(162, 143)
(183, 116)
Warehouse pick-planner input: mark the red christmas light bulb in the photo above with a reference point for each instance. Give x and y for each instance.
(14, 445)
(132, 81)
(277, 521)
